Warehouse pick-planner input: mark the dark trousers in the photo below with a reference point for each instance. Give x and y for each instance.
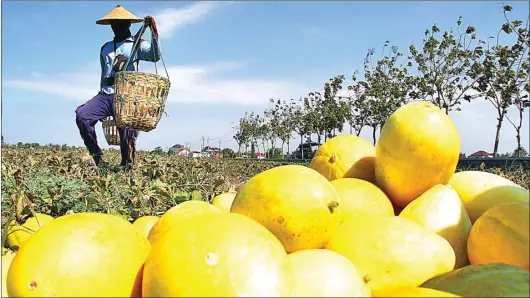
(94, 110)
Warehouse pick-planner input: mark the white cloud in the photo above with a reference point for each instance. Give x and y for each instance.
(209, 83)
(171, 19)
(193, 84)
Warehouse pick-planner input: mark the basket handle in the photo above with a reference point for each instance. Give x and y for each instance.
(136, 46)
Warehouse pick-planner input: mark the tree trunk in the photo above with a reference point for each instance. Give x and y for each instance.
(374, 129)
(358, 132)
(498, 133)
(302, 142)
(351, 129)
(518, 132)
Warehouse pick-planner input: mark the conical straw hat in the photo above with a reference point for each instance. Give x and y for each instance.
(118, 13)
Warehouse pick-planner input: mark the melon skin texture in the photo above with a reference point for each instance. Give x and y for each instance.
(488, 280)
(440, 210)
(392, 252)
(501, 235)
(224, 201)
(345, 156)
(217, 254)
(297, 204)
(479, 191)
(178, 213)
(324, 273)
(6, 263)
(360, 196)
(419, 147)
(83, 254)
(144, 224)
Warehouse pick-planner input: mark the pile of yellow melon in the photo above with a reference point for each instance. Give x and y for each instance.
(391, 220)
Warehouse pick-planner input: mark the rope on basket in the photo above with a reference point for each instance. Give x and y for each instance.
(145, 88)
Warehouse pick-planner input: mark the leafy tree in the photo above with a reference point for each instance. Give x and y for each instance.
(228, 153)
(443, 66)
(242, 133)
(503, 75)
(275, 153)
(333, 112)
(314, 114)
(520, 100)
(357, 112)
(285, 111)
(520, 152)
(304, 118)
(385, 87)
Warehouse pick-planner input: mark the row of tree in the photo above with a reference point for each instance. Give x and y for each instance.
(449, 69)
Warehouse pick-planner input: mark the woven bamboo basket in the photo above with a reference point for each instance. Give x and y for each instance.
(140, 97)
(110, 130)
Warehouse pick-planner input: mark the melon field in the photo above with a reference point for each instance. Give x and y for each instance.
(57, 182)
(394, 219)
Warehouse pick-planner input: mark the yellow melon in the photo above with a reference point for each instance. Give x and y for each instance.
(360, 196)
(296, 203)
(419, 147)
(176, 214)
(224, 201)
(217, 254)
(144, 224)
(501, 235)
(324, 273)
(488, 280)
(440, 210)
(392, 252)
(6, 263)
(83, 254)
(18, 234)
(345, 156)
(480, 191)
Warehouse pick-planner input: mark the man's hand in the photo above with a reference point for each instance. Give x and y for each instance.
(150, 21)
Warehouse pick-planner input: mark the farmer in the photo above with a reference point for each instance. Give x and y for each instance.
(113, 56)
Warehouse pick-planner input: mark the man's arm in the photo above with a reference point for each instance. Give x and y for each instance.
(102, 63)
(148, 51)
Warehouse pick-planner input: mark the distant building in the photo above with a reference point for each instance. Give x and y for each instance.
(179, 150)
(481, 154)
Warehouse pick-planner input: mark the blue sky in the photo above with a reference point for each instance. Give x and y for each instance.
(223, 58)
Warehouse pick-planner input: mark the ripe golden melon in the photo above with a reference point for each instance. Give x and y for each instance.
(324, 273)
(217, 254)
(144, 224)
(6, 263)
(415, 292)
(392, 252)
(501, 235)
(83, 254)
(488, 280)
(419, 147)
(18, 234)
(224, 201)
(440, 210)
(176, 214)
(345, 156)
(296, 203)
(480, 191)
(360, 196)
